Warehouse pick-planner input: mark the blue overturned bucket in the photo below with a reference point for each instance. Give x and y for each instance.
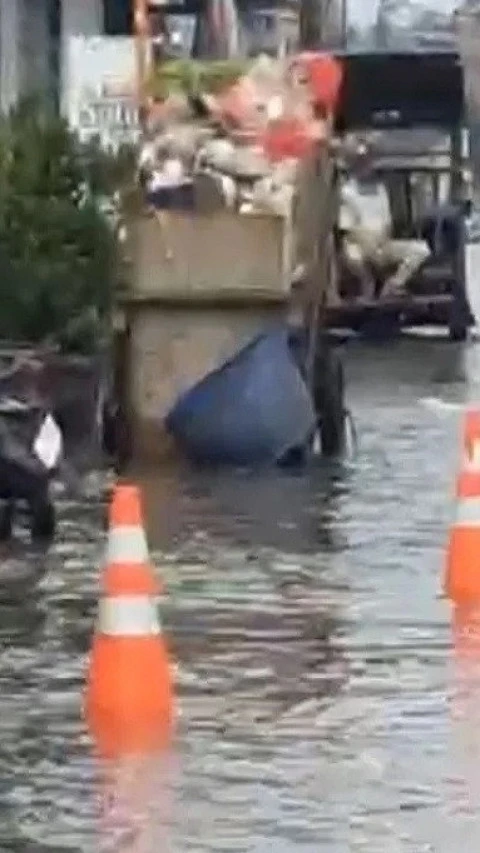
(253, 409)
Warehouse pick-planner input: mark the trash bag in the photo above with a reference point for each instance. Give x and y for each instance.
(324, 75)
(238, 104)
(287, 137)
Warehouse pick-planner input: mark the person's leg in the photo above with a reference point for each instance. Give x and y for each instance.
(408, 256)
(356, 264)
(331, 271)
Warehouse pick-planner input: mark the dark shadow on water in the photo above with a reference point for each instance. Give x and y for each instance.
(414, 362)
(288, 510)
(22, 568)
(21, 623)
(238, 596)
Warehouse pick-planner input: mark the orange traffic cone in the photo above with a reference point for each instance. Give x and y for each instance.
(129, 698)
(471, 437)
(462, 579)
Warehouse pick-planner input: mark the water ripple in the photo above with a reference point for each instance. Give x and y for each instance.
(312, 647)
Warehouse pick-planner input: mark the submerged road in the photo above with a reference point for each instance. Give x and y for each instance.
(322, 705)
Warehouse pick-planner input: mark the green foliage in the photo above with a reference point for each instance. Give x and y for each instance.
(193, 76)
(57, 250)
(107, 173)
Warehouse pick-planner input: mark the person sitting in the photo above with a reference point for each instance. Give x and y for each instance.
(368, 250)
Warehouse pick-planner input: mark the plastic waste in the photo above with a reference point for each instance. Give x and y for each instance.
(48, 444)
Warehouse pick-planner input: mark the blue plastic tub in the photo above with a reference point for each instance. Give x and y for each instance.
(254, 409)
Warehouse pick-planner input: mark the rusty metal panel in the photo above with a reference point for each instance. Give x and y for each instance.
(220, 254)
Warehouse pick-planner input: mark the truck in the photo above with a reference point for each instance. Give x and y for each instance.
(418, 142)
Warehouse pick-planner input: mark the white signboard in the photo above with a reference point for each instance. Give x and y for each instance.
(99, 89)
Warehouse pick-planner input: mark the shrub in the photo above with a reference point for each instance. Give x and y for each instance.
(58, 254)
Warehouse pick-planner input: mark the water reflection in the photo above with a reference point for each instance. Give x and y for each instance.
(464, 699)
(318, 713)
(137, 803)
(289, 511)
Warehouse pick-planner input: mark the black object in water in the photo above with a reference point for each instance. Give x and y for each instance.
(23, 477)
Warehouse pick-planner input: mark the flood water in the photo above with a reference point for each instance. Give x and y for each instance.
(322, 708)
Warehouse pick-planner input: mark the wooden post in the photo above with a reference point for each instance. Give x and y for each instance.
(141, 30)
(323, 209)
(457, 197)
(456, 164)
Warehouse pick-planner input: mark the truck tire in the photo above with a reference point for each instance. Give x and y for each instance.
(460, 313)
(7, 509)
(458, 333)
(459, 320)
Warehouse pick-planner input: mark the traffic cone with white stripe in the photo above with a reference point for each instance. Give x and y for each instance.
(462, 579)
(129, 699)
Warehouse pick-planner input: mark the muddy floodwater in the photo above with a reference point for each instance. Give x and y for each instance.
(323, 706)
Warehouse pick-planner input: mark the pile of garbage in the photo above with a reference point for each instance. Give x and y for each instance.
(239, 145)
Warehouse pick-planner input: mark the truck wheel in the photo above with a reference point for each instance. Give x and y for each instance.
(6, 519)
(458, 323)
(458, 334)
(457, 329)
(42, 520)
(460, 314)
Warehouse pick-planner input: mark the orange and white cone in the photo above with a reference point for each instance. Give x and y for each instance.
(462, 579)
(129, 697)
(471, 438)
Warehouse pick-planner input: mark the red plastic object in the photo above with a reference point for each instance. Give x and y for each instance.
(324, 74)
(287, 137)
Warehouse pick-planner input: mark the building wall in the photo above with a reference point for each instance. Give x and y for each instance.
(26, 42)
(25, 50)
(468, 34)
(9, 52)
(34, 46)
(78, 17)
(82, 17)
